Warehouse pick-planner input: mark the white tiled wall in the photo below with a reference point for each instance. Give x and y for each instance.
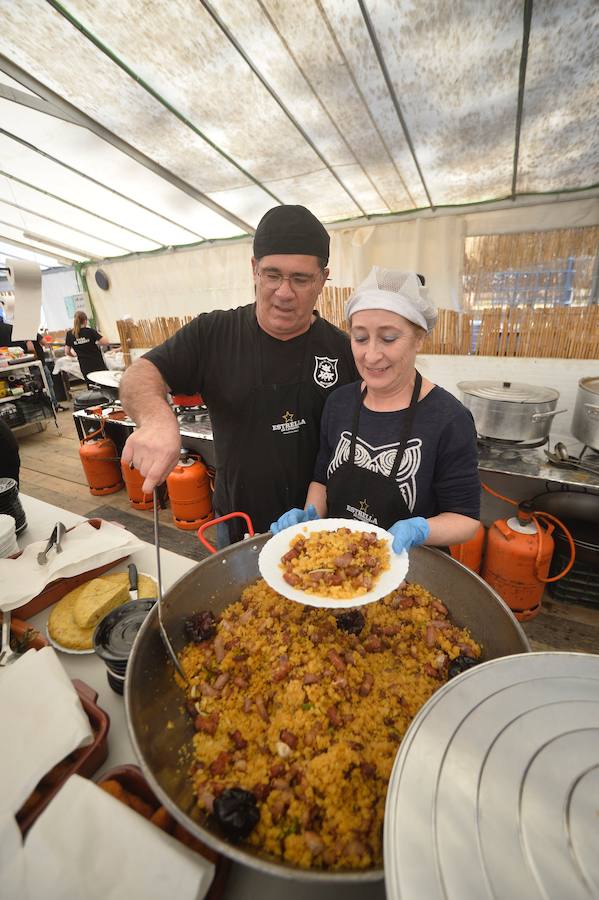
(561, 374)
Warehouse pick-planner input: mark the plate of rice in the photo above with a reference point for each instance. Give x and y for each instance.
(332, 563)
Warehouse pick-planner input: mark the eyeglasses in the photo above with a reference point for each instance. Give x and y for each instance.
(298, 283)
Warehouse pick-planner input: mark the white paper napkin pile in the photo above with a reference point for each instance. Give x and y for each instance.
(42, 722)
(88, 844)
(83, 548)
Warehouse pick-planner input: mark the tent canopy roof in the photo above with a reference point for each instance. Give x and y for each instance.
(132, 126)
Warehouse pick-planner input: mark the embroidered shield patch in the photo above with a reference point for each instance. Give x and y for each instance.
(325, 371)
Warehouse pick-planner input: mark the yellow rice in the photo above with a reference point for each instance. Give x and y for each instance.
(321, 801)
(318, 562)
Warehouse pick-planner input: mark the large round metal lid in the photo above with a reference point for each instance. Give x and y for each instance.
(494, 790)
(512, 391)
(590, 383)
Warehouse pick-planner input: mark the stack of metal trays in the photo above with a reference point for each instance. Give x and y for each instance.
(495, 790)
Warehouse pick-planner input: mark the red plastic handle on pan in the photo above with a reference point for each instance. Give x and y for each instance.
(212, 522)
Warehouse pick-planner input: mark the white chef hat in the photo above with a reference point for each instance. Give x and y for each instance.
(398, 292)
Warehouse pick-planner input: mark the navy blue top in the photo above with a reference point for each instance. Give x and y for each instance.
(439, 470)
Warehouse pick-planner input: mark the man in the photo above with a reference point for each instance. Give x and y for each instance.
(264, 371)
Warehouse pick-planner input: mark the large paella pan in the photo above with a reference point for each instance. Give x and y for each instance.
(160, 729)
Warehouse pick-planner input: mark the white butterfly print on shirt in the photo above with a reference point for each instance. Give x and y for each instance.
(380, 460)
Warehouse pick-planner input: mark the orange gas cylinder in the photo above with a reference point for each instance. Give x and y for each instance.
(188, 488)
(99, 460)
(133, 482)
(515, 565)
(470, 553)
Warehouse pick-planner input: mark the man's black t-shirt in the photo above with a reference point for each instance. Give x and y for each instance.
(265, 399)
(88, 353)
(439, 469)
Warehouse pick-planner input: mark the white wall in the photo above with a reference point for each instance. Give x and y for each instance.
(561, 374)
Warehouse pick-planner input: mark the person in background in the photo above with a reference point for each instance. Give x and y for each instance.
(396, 450)
(35, 347)
(264, 371)
(84, 343)
(10, 461)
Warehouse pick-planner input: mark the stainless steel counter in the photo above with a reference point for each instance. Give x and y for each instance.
(534, 464)
(195, 436)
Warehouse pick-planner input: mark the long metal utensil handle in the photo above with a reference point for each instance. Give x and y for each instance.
(163, 633)
(5, 650)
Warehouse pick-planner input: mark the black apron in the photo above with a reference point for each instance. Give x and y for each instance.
(278, 434)
(357, 493)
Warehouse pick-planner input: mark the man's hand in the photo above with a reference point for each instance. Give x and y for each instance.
(153, 449)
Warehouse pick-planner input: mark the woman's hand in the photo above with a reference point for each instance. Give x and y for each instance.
(294, 517)
(409, 533)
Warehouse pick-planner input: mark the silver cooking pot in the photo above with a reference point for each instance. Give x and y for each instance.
(585, 421)
(160, 729)
(510, 411)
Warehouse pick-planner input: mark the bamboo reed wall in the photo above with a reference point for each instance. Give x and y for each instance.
(147, 333)
(555, 332)
(331, 305)
(534, 265)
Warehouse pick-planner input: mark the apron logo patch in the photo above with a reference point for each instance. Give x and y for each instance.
(325, 371)
(362, 513)
(289, 425)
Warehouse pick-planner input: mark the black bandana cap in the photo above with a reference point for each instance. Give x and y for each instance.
(291, 229)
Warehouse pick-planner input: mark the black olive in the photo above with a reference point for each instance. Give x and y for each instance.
(460, 664)
(353, 621)
(236, 812)
(201, 626)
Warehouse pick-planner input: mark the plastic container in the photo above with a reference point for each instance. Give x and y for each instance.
(114, 636)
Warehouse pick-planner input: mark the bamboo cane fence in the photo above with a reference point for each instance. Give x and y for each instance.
(147, 333)
(331, 305)
(555, 332)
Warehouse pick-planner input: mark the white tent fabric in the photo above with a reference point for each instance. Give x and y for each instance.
(195, 280)
(130, 126)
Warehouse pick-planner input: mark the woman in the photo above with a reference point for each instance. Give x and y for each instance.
(396, 450)
(85, 343)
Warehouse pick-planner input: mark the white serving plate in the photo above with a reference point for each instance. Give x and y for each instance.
(269, 562)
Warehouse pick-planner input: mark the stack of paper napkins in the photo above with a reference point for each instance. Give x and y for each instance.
(85, 844)
(83, 548)
(42, 721)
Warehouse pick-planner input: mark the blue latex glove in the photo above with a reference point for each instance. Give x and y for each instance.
(409, 533)
(294, 517)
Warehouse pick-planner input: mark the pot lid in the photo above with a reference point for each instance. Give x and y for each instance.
(512, 391)
(590, 383)
(499, 769)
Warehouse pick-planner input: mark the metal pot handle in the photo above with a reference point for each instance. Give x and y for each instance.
(591, 410)
(537, 416)
(212, 522)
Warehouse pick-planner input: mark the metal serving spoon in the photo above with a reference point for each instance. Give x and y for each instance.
(163, 634)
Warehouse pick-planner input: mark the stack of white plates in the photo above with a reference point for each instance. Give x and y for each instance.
(8, 538)
(495, 789)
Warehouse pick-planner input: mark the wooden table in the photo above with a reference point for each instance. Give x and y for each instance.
(244, 883)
